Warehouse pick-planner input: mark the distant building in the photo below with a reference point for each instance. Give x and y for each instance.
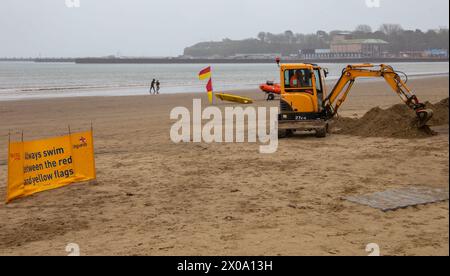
(256, 56)
(322, 51)
(344, 46)
(342, 36)
(437, 53)
(412, 54)
(359, 47)
(316, 54)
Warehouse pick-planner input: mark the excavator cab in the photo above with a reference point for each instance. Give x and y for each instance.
(303, 92)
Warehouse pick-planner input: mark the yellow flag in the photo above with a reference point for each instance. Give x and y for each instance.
(210, 97)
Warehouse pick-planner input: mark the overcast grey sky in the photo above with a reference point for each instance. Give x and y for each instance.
(165, 27)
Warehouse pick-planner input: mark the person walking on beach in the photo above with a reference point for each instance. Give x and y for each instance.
(158, 86)
(152, 87)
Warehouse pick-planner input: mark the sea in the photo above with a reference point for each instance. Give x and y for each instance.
(29, 80)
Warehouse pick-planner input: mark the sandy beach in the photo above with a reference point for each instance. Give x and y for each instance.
(154, 197)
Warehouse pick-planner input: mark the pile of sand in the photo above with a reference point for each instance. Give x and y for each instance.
(440, 113)
(397, 121)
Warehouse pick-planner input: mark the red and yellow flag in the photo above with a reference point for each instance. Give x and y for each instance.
(206, 74)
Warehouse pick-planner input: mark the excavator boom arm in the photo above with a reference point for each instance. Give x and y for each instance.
(352, 72)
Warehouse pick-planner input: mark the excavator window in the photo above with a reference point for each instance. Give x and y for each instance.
(298, 80)
(319, 86)
(318, 80)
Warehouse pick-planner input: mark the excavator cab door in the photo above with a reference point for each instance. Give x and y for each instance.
(299, 90)
(320, 87)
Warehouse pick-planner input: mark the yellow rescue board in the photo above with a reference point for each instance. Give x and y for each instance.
(233, 98)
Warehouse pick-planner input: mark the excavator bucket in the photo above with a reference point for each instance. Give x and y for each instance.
(424, 116)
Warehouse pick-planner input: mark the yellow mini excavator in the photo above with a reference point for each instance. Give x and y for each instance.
(306, 106)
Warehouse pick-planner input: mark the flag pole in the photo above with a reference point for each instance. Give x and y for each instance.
(93, 151)
(212, 92)
(9, 170)
(212, 88)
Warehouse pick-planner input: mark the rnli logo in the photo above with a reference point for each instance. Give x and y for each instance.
(83, 141)
(15, 156)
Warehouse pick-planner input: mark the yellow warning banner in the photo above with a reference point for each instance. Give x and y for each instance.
(41, 165)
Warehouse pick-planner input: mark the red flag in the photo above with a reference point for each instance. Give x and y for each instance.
(209, 87)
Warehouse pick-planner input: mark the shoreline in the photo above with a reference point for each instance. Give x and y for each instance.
(168, 60)
(247, 61)
(120, 92)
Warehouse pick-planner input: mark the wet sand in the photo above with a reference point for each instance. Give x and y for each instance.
(153, 197)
